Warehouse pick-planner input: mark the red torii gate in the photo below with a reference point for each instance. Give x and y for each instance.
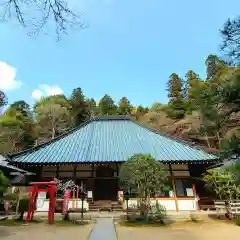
(33, 191)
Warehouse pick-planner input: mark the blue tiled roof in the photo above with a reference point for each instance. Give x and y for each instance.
(110, 139)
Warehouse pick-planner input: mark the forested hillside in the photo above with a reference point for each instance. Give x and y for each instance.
(205, 111)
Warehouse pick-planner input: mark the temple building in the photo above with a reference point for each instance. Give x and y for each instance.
(92, 154)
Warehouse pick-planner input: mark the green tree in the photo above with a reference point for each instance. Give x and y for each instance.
(157, 107)
(213, 113)
(59, 99)
(176, 103)
(4, 184)
(146, 175)
(3, 100)
(139, 111)
(11, 133)
(223, 181)
(215, 68)
(231, 39)
(193, 85)
(52, 119)
(124, 107)
(80, 107)
(230, 92)
(230, 147)
(107, 106)
(92, 106)
(24, 114)
(22, 107)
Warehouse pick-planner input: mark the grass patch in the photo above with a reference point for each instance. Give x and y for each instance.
(141, 224)
(15, 222)
(57, 222)
(70, 223)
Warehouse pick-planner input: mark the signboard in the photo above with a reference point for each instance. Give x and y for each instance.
(67, 194)
(171, 194)
(89, 194)
(120, 195)
(189, 192)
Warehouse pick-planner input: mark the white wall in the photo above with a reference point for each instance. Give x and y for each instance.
(168, 204)
(187, 205)
(43, 205)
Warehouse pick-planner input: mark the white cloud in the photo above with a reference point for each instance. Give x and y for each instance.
(37, 94)
(8, 77)
(46, 90)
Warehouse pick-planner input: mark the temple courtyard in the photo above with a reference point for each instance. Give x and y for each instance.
(181, 231)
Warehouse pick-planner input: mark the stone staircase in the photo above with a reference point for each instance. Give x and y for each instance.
(110, 206)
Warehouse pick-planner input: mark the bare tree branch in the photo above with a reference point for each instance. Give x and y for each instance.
(41, 13)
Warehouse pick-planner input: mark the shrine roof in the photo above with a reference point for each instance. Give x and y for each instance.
(111, 139)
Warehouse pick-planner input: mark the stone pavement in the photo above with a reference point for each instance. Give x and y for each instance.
(103, 229)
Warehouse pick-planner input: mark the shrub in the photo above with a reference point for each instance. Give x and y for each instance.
(23, 207)
(158, 213)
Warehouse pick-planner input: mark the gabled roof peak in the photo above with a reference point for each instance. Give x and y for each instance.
(111, 117)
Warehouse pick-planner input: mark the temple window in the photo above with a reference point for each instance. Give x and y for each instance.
(184, 188)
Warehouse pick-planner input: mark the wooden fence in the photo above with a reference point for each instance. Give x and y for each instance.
(222, 207)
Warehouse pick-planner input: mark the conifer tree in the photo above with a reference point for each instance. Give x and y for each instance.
(107, 106)
(176, 97)
(80, 108)
(193, 84)
(124, 107)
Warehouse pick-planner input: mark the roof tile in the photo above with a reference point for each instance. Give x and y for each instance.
(110, 139)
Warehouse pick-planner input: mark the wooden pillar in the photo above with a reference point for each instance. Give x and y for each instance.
(75, 172)
(174, 188)
(195, 196)
(93, 182)
(57, 173)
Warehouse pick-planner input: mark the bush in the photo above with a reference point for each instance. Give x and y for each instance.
(237, 220)
(23, 207)
(158, 213)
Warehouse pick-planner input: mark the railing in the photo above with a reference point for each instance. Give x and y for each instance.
(230, 209)
(220, 206)
(235, 207)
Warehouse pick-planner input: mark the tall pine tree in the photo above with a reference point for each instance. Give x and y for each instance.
(215, 67)
(107, 106)
(193, 84)
(176, 103)
(124, 106)
(80, 108)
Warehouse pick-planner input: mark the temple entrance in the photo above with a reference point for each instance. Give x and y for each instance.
(105, 184)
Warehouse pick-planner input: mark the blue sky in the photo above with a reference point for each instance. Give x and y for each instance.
(129, 49)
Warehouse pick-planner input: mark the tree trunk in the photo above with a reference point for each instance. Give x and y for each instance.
(53, 133)
(218, 138)
(207, 140)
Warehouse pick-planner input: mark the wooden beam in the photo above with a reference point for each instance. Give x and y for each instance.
(174, 188)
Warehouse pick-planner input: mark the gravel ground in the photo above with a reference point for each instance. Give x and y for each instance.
(190, 231)
(45, 232)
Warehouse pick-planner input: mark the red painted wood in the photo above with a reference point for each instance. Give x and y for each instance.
(33, 192)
